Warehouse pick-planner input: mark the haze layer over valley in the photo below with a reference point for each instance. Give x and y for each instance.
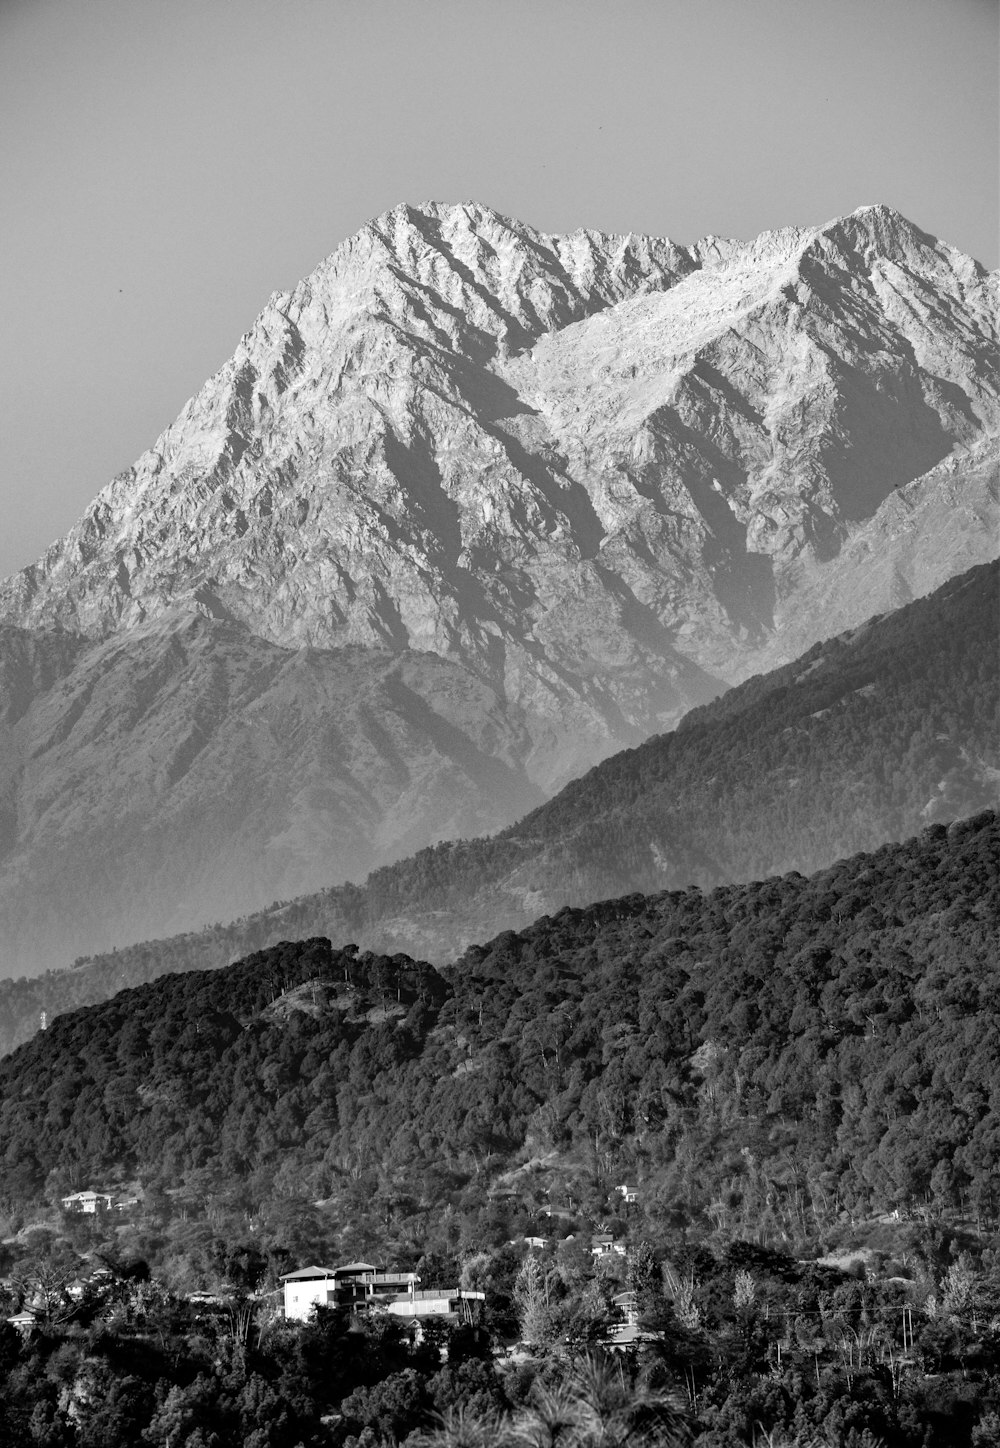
(870, 736)
(469, 509)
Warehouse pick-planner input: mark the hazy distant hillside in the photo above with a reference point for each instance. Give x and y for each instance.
(467, 511)
(864, 739)
(791, 1046)
(188, 771)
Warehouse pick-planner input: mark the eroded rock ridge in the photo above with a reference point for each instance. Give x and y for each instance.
(598, 470)
(469, 509)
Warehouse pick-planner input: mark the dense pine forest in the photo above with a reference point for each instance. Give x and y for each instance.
(866, 738)
(799, 1076)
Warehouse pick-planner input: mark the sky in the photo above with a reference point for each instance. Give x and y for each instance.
(167, 164)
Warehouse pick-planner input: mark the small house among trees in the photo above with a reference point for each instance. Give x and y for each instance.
(88, 1202)
(604, 1245)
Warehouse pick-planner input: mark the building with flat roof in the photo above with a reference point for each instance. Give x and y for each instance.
(360, 1286)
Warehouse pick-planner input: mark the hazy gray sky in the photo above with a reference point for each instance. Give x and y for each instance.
(166, 164)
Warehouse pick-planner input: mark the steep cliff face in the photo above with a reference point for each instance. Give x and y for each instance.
(596, 470)
(469, 509)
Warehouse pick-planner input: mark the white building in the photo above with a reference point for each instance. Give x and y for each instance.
(308, 1288)
(360, 1286)
(604, 1245)
(88, 1202)
(456, 1302)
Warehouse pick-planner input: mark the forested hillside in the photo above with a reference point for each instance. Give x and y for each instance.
(800, 1078)
(764, 1057)
(866, 738)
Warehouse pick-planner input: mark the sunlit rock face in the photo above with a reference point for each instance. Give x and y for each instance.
(598, 477)
(596, 469)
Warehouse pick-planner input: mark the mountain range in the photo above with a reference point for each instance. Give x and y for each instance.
(869, 736)
(468, 510)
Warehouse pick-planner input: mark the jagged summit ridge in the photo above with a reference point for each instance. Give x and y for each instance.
(595, 469)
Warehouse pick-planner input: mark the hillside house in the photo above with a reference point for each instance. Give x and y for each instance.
(629, 1191)
(627, 1306)
(458, 1304)
(87, 1202)
(604, 1245)
(307, 1288)
(360, 1286)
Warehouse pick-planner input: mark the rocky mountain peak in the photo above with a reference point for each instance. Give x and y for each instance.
(594, 469)
(469, 508)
